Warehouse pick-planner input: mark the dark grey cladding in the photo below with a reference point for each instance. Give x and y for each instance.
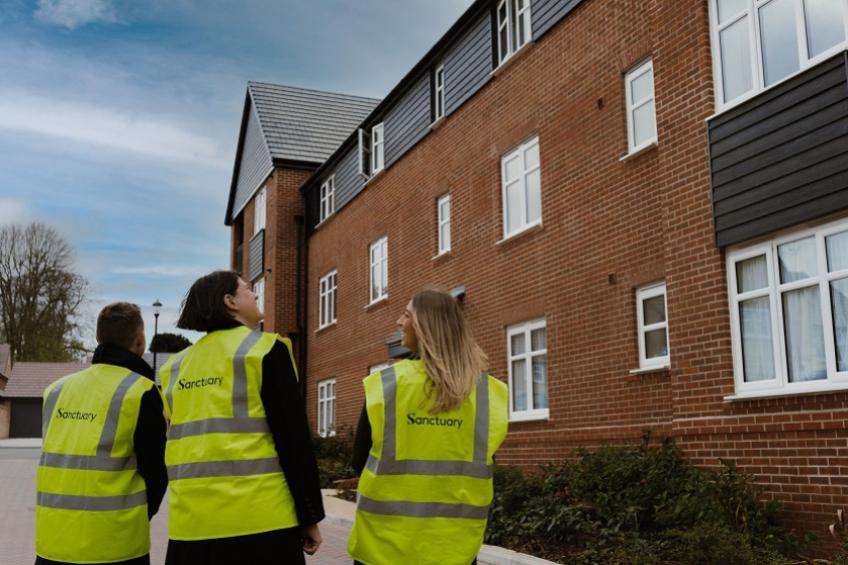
(408, 121)
(255, 164)
(781, 158)
(468, 64)
(348, 180)
(547, 13)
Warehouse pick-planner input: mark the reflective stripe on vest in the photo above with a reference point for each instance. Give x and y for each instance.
(240, 422)
(231, 468)
(103, 460)
(77, 502)
(388, 464)
(422, 509)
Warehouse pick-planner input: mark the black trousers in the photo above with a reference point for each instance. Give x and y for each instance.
(280, 547)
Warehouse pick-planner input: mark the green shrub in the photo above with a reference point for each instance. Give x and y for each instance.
(637, 505)
(333, 454)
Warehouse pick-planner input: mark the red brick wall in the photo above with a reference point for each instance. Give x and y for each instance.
(609, 226)
(285, 204)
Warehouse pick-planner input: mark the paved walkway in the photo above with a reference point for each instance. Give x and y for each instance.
(18, 464)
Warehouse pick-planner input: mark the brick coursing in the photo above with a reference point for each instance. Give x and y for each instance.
(609, 226)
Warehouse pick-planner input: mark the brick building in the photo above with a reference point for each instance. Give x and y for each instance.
(643, 206)
(24, 393)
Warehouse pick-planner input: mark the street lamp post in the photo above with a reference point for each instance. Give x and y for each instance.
(157, 306)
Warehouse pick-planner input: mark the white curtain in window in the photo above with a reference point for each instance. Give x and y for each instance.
(802, 323)
(751, 274)
(839, 306)
(757, 349)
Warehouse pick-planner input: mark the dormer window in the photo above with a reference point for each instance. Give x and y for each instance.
(513, 27)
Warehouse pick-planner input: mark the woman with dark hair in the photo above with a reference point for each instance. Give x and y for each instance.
(243, 477)
(425, 444)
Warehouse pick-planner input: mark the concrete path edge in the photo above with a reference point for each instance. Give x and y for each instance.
(341, 513)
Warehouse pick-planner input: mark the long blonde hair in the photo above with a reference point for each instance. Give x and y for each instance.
(451, 357)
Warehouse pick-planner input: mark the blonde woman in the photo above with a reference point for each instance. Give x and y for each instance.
(425, 444)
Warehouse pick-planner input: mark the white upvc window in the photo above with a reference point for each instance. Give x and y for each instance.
(443, 206)
(327, 300)
(259, 291)
(328, 198)
(260, 205)
(652, 324)
(514, 29)
(758, 43)
(377, 149)
(439, 93)
(527, 352)
(327, 408)
(379, 259)
(522, 192)
(789, 312)
(641, 109)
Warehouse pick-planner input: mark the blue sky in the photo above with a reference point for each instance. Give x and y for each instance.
(119, 118)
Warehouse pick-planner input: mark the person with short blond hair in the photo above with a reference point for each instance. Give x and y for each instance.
(102, 476)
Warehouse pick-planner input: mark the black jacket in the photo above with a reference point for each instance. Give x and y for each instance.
(149, 437)
(286, 414)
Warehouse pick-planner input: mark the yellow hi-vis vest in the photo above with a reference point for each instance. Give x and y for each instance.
(91, 502)
(225, 475)
(425, 492)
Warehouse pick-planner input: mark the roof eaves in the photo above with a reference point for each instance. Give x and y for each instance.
(228, 219)
(461, 24)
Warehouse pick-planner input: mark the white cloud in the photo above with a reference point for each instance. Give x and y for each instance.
(12, 210)
(75, 13)
(137, 132)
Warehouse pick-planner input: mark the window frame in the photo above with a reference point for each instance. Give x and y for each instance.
(258, 287)
(644, 293)
(751, 12)
(327, 203)
(443, 248)
(260, 210)
(381, 244)
(520, 151)
(327, 401)
(378, 159)
(780, 385)
(328, 299)
(633, 105)
(527, 328)
(439, 93)
(513, 16)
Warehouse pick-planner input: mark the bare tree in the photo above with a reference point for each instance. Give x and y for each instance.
(40, 294)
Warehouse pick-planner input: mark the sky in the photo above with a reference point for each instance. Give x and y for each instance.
(119, 118)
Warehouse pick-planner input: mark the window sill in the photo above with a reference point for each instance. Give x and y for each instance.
(534, 416)
(322, 329)
(528, 230)
(784, 393)
(648, 370)
(325, 220)
(383, 299)
(437, 124)
(441, 256)
(376, 175)
(506, 63)
(640, 151)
